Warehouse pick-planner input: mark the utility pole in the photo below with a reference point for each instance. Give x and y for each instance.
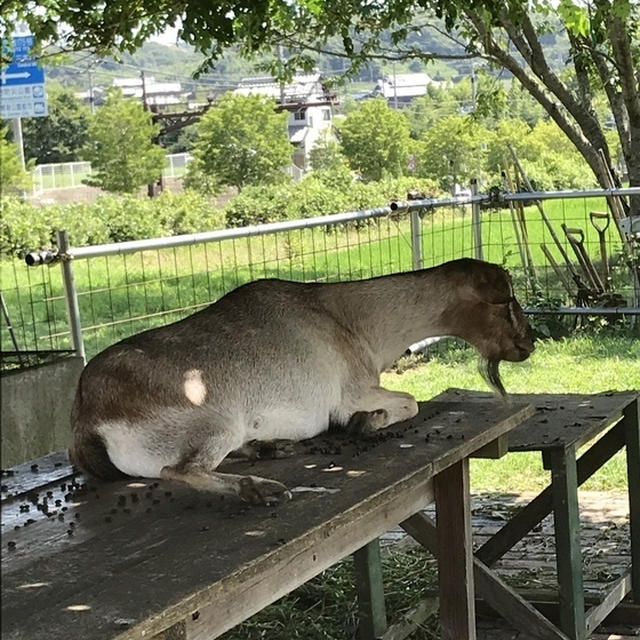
(395, 88)
(16, 130)
(91, 100)
(153, 188)
(474, 88)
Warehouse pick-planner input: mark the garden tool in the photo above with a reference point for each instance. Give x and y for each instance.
(598, 215)
(557, 270)
(576, 240)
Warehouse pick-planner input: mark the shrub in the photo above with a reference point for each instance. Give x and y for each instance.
(25, 227)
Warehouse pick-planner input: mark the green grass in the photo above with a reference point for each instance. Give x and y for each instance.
(582, 364)
(122, 295)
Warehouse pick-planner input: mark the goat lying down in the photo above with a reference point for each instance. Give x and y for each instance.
(277, 361)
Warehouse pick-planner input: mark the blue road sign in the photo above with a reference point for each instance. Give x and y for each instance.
(22, 93)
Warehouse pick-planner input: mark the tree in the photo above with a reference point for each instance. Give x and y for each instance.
(326, 153)
(375, 140)
(61, 135)
(241, 141)
(121, 149)
(12, 175)
(453, 151)
(603, 34)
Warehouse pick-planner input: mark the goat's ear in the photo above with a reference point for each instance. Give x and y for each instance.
(493, 285)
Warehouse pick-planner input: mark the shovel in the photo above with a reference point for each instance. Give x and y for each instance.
(576, 240)
(598, 215)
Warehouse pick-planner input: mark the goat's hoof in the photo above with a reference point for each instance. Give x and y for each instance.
(262, 491)
(274, 449)
(366, 423)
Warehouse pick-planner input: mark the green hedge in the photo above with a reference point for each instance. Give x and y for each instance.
(25, 227)
(318, 194)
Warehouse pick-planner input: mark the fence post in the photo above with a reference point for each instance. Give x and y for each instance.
(70, 294)
(73, 178)
(416, 240)
(476, 222)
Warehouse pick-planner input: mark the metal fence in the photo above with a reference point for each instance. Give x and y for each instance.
(63, 175)
(67, 175)
(89, 297)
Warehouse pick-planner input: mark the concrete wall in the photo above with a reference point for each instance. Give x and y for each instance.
(36, 404)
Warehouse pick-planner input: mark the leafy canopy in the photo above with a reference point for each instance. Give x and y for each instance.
(375, 140)
(241, 141)
(62, 134)
(121, 149)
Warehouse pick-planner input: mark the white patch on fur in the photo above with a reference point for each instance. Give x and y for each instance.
(130, 450)
(194, 387)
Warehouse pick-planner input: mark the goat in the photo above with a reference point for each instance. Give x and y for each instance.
(276, 361)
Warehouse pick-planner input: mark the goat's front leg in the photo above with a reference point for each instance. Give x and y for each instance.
(381, 408)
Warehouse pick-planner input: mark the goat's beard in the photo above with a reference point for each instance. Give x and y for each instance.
(489, 369)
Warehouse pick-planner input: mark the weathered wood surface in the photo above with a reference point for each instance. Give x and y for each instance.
(560, 420)
(129, 559)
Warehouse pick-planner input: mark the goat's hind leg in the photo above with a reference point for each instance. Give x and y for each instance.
(198, 470)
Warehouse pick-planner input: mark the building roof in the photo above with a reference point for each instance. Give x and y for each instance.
(403, 85)
(303, 88)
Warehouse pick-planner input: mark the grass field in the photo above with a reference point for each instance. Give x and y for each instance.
(121, 295)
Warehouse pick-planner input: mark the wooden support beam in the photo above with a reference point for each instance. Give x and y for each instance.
(566, 515)
(455, 553)
(631, 424)
(496, 449)
(370, 590)
(617, 591)
(541, 506)
(502, 598)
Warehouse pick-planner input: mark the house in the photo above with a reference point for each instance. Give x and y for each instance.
(402, 88)
(309, 104)
(159, 95)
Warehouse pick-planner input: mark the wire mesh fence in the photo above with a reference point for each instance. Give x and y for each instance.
(125, 288)
(66, 175)
(61, 175)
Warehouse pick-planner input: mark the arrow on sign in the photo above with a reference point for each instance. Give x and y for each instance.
(15, 76)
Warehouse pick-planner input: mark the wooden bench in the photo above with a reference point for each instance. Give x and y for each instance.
(143, 559)
(561, 425)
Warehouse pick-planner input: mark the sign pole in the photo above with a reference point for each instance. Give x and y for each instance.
(16, 130)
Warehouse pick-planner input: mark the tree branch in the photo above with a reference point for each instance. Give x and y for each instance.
(504, 58)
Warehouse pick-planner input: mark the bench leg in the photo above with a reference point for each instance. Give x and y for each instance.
(566, 515)
(455, 553)
(370, 589)
(632, 436)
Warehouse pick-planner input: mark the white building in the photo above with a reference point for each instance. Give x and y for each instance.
(403, 87)
(309, 103)
(159, 94)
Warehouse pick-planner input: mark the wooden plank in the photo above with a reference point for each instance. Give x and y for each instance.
(162, 558)
(494, 450)
(239, 597)
(559, 420)
(370, 590)
(455, 553)
(632, 435)
(541, 506)
(617, 591)
(566, 515)
(503, 600)
(26, 477)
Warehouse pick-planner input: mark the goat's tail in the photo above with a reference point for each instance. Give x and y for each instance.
(88, 451)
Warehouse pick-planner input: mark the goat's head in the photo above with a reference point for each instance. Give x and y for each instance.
(487, 315)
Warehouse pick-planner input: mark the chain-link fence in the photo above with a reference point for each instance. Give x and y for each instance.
(565, 251)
